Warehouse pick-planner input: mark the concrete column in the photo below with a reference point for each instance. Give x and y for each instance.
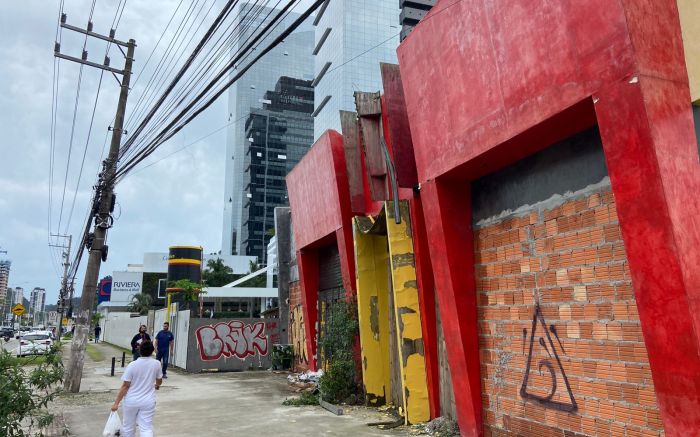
(648, 136)
(448, 220)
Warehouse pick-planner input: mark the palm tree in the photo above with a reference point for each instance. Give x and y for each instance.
(141, 303)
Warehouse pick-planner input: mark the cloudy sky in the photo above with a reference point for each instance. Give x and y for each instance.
(157, 207)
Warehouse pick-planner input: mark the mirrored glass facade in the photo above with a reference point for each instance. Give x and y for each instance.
(362, 34)
(292, 58)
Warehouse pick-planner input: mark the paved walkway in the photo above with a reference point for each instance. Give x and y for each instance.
(221, 404)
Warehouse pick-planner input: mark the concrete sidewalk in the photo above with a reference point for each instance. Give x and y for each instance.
(220, 404)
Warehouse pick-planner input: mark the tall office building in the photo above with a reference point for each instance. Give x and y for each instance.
(292, 58)
(352, 38)
(4, 279)
(37, 300)
(280, 134)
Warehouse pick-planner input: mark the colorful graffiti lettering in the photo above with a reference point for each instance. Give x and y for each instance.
(298, 335)
(232, 339)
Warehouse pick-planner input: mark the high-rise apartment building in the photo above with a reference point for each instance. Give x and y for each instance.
(4, 279)
(17, 295)
(352, 38)
(293, 59)
(280, 134)
(37, 300)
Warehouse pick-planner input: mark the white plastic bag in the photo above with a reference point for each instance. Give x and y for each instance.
(114, 424)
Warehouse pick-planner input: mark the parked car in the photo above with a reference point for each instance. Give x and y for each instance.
(7, 333)
(34, 343)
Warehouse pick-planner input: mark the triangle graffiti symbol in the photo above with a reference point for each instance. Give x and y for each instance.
(547, 364)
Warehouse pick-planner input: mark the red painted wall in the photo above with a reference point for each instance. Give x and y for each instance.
(477, 73)
(318, 191)
(487, 82)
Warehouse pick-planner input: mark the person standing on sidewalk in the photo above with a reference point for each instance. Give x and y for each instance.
(137, 340)
(141, 379)
(98, 331)
(164, 345)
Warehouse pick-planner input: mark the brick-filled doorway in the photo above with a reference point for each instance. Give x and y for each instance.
(560, 341)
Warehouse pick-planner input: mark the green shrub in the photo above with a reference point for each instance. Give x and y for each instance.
(306, 398)
(25, 392)
(338, 382)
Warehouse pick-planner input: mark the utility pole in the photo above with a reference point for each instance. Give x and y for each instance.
(105, 204)
(64, 282)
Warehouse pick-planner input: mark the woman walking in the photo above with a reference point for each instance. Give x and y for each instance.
(141, 379)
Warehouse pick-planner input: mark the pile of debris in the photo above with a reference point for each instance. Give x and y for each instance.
(441, 427)
(303, 382)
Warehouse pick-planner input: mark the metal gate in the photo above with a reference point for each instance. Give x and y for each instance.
(330, 291)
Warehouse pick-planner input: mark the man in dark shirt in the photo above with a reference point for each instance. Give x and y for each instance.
(164, 345)
(137, 340)
(98, 330)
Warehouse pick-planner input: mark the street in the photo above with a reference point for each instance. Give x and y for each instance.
(216, 404)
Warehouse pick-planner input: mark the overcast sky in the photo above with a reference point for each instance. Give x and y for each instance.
(179, 200)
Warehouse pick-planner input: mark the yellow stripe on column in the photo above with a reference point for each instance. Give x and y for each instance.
(194, 262)
(408, 317)
(371, 272)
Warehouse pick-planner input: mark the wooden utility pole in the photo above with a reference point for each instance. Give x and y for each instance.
(105, 204)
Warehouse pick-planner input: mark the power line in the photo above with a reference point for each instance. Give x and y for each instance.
(75, 114)
(173, 127)
(195, 81)
(115, 25)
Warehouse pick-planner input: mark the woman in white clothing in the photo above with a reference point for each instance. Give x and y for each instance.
(141, 379)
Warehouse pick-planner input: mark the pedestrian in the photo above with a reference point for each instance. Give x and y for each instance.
(164, 345)
(98, 330)
(141, 379)
(137, 340)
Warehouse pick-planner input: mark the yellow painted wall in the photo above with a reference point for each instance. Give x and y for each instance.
(689, 11)
(372, 275)
(408, 316)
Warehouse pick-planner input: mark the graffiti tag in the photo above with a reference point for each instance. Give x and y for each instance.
(298, 335)
(232, 339)
(546, 400)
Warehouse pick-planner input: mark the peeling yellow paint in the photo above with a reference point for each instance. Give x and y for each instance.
(407, 313)
(689, 11)
(371, 269)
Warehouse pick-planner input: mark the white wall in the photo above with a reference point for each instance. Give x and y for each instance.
(179, 326)
(119, 328)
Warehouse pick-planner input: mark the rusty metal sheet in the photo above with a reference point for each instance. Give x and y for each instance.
(353, 156)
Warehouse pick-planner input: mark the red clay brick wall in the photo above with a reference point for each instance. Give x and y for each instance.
(297, 336)
(571, 260)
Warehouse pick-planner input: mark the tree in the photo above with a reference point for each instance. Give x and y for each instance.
(96, 318)
(190, 290)
(258, 281)
(26, 392)
(140, 303)
(217, 274)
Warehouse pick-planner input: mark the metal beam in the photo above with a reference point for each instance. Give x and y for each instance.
(95, 35)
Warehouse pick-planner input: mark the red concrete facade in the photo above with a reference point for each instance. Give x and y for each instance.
(488, 82)
(320, 203)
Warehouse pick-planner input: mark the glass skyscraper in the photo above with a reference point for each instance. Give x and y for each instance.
(292, 58)
(280, 134)
(352, 38)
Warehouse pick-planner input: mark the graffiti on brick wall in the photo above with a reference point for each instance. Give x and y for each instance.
(545, 365)
(298, 334)
(232, 339)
